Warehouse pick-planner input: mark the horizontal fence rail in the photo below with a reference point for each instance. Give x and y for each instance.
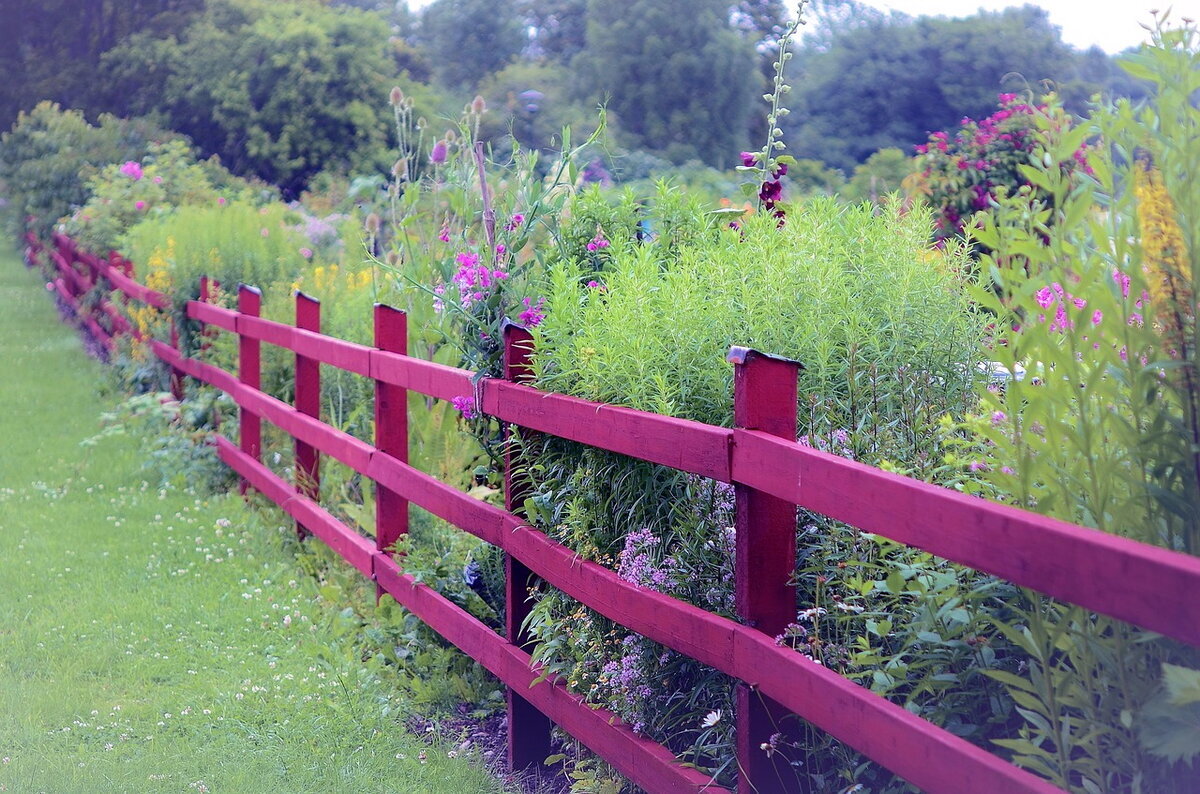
(772, 474)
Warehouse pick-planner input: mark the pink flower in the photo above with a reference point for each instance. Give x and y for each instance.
(998, 418)
(1097, 317)
(221, 201)
(1044, 297)
(158, 180)
(306, 253)
(533, 313)
(977, 465)
(1122, 281)
(437, 155)
(132, 169)
(593, 284)
(465, 405)
(140, 205)
(444, 234)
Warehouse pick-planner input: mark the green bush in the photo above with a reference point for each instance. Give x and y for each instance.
(48, 156)
(123, 195)
(888, 342)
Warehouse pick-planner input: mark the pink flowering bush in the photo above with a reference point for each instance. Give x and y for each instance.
(966, 172)
(121, 196)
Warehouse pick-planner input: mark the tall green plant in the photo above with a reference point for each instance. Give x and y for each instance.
(1091, 283)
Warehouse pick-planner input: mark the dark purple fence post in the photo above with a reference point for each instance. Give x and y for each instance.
(308, 402)
(528, 728)
(391, 430)
(249, 304)
(764, 399)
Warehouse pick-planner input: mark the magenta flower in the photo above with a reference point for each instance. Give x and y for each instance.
(444, 234)
(533, 314)
(132, 169)
(437, 155)
(749, 159)
(598, 242)
(140, 205)
(465, 405)
(306, 253)
(1097, 317)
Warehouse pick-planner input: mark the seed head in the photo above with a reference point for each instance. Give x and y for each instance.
(396, 96)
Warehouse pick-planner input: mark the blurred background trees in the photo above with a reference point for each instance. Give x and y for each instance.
(285, 91)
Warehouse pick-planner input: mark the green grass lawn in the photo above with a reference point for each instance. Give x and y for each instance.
(160, 640)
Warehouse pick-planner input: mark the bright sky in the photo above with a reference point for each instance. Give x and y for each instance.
(1114, 25)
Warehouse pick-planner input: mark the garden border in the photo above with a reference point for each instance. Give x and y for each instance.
(771, 472)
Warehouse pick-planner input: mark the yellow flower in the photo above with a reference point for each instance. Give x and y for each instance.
(1164, 259)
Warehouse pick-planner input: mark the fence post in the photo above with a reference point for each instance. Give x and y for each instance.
(528, 728)
(764, 399)
(249, 304)
(308, 402)
(391, 430)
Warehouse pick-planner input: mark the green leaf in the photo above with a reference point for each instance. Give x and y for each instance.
(1169, 731)
(1182, 683)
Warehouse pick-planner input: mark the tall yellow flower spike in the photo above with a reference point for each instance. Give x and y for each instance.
(1164, 260)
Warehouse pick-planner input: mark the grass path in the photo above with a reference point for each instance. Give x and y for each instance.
(154, 641)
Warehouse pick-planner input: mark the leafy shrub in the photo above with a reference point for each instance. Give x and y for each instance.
(122, 195)
(47, 157)
(964, 174)
(888, 341)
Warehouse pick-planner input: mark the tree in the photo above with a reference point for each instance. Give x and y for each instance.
(888, 81)
(679, 80)
(466, 40)
(280, 91)
(559, 28)
(50, 49)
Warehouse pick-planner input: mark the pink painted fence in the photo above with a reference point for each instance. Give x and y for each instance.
(772, 474)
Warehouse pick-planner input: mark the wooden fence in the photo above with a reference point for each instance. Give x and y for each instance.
(772, 474)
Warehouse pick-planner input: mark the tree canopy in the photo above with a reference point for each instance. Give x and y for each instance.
(673, 73)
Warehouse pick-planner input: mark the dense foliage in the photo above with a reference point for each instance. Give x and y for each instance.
(280, 91)
(1080, 296)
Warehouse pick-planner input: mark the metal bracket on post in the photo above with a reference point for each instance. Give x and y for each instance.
(308, 402)
(391, 431)
(528, 728)
(764, 399)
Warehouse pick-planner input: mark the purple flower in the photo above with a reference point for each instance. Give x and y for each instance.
(1044, 297)
(140, 205)
(306, 253)
(749, 159)
(465, 405)
(1097, 317)
(533, 314)
(977, 465)
(132, 169)
(998, 418)
(437, 155)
